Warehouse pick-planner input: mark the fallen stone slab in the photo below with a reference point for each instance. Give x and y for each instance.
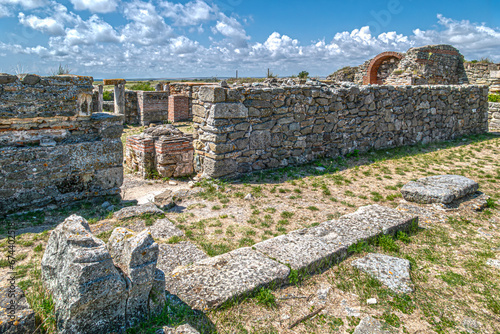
(391, 271)
(138, 210)
(439, 189)
(16, 316)
(165, 229)
(208, 283)
(183, 329)
(183, 253)
(170, 198)
(326, 244)
(369, 325)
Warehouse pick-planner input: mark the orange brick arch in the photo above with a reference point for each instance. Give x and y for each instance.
(371, 73)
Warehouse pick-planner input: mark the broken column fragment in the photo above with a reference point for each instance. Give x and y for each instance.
(101, 288)
(119, 94)
(90, 294)
(136, 255)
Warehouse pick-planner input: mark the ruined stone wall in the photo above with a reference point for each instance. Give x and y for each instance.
(53, 147)
(494, 115)
(243, 129)
(132, 115)
(480, 73)
(429, 65)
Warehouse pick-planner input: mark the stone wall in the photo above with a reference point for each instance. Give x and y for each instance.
(53, 147)
(243, 129)
(484, 74)
(494, 115)
(132, 115)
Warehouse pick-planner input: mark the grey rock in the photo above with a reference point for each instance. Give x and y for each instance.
(136, 255)
(208, 283)
(134, 211)
(368, 325)
(47, 142)
(29, 79)
(16, 316)
(327, 243)
(391, 271)
(105, 205)
(157, 298)
(471, 325)
(494, 263)
(170, 198)
(183, 253)
(439, 189)
(371, 301)
(224, 84)
(87, 287)
(165, 229)
(163, 130)
(249, 197)
(183, 329)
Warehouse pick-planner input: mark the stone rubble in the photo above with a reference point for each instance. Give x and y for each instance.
(391, 271)
(369, 325)
(165, 229)
(439, 189)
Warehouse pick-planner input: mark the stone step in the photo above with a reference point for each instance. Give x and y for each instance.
(208, 283)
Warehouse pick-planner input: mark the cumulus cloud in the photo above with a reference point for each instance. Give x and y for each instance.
(27, 4)
(192, 13)
(95, 6)
(47, 25)
(146, 27)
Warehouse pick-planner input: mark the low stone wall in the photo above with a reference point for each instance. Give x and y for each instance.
(494, 115)
(53, 147)
(132, 115)
(245, 129)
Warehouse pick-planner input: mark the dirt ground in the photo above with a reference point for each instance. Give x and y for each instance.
(455, 290)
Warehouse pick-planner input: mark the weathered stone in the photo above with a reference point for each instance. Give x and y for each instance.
(157, 295)
(391, 271)
(183, 329)
(16, 316)
(7, 78)
(136, 255)
(29, 79)
(319, 246)
(212, 94)
(165, 229)
(183, 253)
(494, 263)
(170, 198)
(228, 111)
(369, 325)
(90, 294)
(134, 211)
(439, 189)
(208, 283)
(110, 82)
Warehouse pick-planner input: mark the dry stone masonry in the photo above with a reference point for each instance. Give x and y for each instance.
(99, 288)
(246, 129)
(53, 147)
(494, 115)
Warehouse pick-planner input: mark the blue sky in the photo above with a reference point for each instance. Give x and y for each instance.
(161, 39)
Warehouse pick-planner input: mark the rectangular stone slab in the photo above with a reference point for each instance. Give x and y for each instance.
(209, 283)
(439, 189)
(327, 243)
(108, 82)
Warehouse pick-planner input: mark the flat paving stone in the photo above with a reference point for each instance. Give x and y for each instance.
(183, 253)
(209, 283)
(391, 271)
(439, 189)
(369, 325)
(327, 243)
(138, 210)
(165, 229)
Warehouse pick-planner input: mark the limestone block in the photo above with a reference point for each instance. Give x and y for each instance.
(212, 94)
(7, 78)
(391, 271)
(439, 189)
(165, 229)
(208, 283)
(136, 255)
(369, 325)
(90, 294)
(183, 253)
(157, 295)
(16, 316)
(134, 211)
(228, 111)
(29, 79)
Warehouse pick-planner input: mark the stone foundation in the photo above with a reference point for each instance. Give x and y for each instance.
(164, 151)
(54, 149)
(242, 130)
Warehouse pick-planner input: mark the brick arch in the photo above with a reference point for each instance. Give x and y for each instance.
(371, 73)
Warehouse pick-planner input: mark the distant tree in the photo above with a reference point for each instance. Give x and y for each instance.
(303, 75)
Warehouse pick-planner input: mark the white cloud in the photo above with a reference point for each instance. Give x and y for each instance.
(232, 29)
(147, 26)
(47, 25)
(27, 4)
(90, 32)
(95, 6)
(192, 13)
